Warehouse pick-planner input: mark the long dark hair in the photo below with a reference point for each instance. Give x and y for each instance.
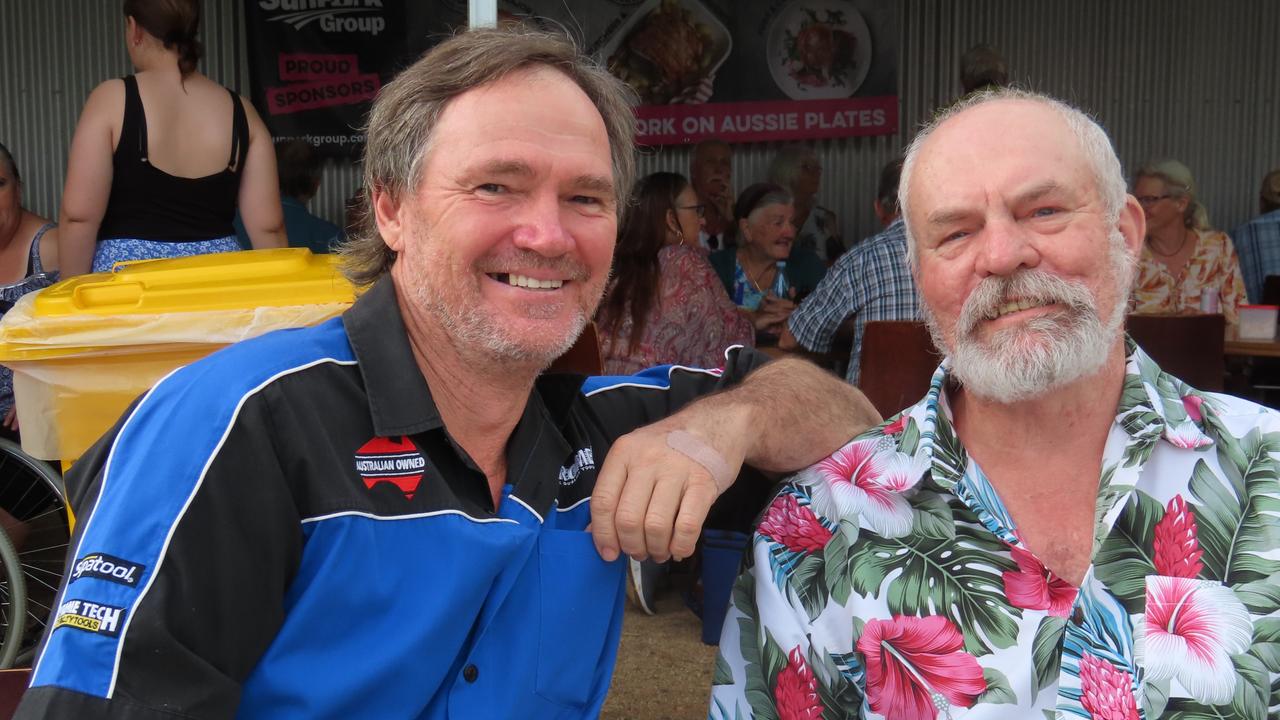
(635, 259)
(175, 23)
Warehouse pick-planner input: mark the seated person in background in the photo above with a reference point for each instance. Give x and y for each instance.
(711, 174)
(759, 270)
(299, 169)
(1182, 258)
(28, 262)
(1257, 242)
(161, 159)
(797, 168)
(665, 304)
(1058, 525)
(983, 67)
(870, 282)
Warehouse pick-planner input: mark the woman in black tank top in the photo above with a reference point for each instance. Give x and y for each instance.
(121, 203)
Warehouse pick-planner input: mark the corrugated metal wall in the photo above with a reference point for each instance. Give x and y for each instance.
(1192, 79)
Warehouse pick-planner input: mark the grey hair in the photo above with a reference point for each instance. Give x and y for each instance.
(1179, 182)
(784, 170)
(1099, 153)
(406, 112)
(7, 159)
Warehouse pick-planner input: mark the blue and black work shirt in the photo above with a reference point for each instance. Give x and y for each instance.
(286, 529)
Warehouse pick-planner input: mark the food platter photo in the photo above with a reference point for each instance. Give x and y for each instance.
(819, 49)
(669, 51)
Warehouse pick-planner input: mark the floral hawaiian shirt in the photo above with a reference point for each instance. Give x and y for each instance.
(889, 581)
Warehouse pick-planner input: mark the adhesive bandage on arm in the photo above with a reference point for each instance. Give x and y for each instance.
(692, 447)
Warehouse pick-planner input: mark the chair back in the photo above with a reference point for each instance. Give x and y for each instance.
(898, 360)
(1271, 290)
(583, 358)
(1189, 347)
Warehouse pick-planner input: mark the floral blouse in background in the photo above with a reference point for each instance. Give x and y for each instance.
(691, 323)
(890, 581)
(1213, 265)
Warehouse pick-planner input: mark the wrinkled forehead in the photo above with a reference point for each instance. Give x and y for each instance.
(995, 149)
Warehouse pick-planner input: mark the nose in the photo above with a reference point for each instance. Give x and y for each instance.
(540, 226)
(1005, 248)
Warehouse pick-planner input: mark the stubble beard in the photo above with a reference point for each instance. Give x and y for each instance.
(1043, 353)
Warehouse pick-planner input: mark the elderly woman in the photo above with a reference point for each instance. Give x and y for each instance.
(28, 261)
(665, 304)
(762, 274)
(1185, 266)
(797, 168)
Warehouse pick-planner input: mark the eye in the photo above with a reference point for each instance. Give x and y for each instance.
(586, 200)
(957, 235)
(1045, 212)
(491, 188)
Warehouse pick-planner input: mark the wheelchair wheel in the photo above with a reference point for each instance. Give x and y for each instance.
(33, 511)
(13, 602)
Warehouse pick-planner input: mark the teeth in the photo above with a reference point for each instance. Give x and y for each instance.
(532, 283)
(1010, 307)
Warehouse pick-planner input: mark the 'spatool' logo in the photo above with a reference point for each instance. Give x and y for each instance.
(583, 460)
(334, 16)
(107, 567)
(396, 461)
(90, 617)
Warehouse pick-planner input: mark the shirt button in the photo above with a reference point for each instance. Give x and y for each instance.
(470, 673)
(1077, 616)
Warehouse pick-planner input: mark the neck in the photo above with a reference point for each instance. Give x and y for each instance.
(1069, 420)
(161, 61)
(480, 399)
(1169, 240)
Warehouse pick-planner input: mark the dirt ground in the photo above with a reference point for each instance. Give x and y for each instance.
(664, 670)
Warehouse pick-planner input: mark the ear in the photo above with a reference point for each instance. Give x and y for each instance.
(672, 223)
(1132, 224)
(388, 213)
(133, 31)
(742, 230)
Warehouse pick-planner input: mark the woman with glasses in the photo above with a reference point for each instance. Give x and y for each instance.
(664, 304)
(798, 169)
(1185, 266)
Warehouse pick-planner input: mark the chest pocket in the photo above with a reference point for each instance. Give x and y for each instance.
(580, 617)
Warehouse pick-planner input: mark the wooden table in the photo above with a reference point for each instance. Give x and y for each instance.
(1250, 348)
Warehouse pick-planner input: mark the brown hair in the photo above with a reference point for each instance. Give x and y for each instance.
(174, 23)
(404, 116)
(635, 259)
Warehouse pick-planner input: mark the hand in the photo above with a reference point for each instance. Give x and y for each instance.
(650, 500)
(696, 94)
(11, 419)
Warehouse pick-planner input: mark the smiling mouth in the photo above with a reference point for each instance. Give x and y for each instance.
(522, 281)
(1015, 306)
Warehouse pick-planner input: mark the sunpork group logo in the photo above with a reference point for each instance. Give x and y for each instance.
(398, 461)
(90, 617)
(333, 16)
(107, 567)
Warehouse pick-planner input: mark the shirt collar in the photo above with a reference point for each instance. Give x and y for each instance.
(399, 399)
(1153, 405)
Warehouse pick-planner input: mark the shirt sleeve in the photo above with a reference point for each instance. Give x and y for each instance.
(625, 402)
(773, 660)
(815, 322)
(1244, 241)
(1233, 289)
(186, 539)
(705, 318)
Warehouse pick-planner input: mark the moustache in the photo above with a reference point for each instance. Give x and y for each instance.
(1032, 286)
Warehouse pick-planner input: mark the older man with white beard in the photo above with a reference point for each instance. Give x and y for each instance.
(1058, 527)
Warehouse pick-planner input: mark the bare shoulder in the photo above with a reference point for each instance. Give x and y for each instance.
(49, 249)
(106, 101)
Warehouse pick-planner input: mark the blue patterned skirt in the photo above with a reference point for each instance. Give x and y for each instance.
(110, 252)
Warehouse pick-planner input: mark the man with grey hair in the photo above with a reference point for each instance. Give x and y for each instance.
(1058, 528)
(385, 516)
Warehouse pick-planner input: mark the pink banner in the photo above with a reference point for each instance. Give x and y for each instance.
(766, 120)
(295, 67)
(326, 93)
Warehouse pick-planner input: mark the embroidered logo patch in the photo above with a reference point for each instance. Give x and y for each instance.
(90, 617)
(392, 460)
(107, 567)
(584, 459)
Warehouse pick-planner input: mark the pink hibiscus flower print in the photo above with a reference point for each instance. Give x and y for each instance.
(866, 480)
(794, 525)
(898, 425)
(1034, 587)
(1106, 690)
(1177, 550)
(917, 666)
(1191, 630)
(796, 691)
(1192, 403)
(1187, 435)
